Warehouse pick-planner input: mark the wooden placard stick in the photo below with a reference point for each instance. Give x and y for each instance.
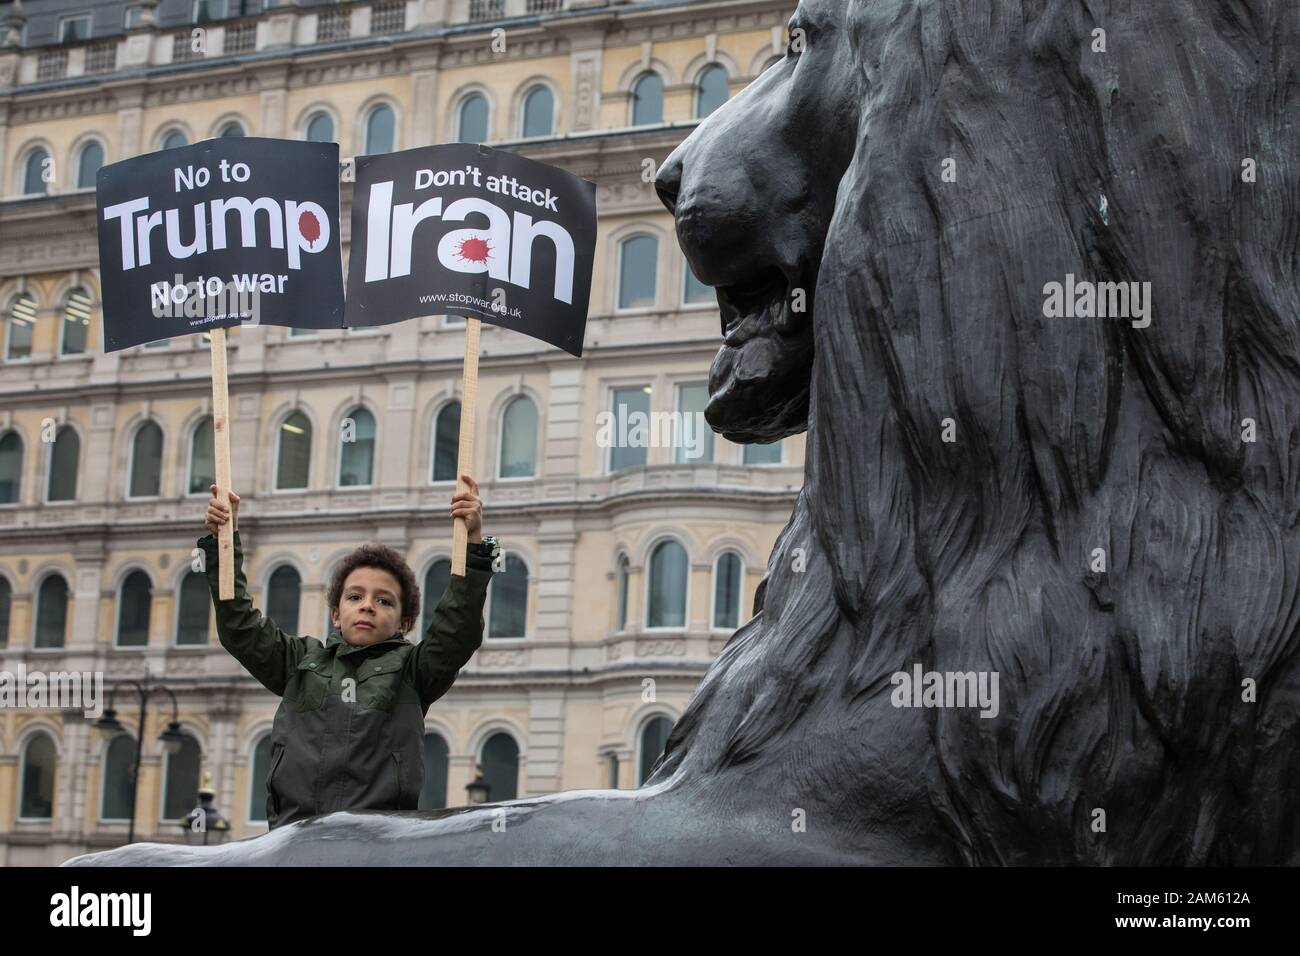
(221, 453)
(465, 453)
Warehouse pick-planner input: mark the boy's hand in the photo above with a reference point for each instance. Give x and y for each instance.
(469, 506)
(217, 514)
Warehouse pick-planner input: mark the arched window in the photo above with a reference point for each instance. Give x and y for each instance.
(508, 600)
(433, 795)
(710, 90)
(654, 735)
(728, 574)
(19, 327)
(294, 454)
(11, 468)
(51, 612)
(501, 767)
(648, 99)
(173, 139)
(666, 606)
(357, 448)
(763, 454)
(133, 611)
(203, 466)
(115, 785)
(64, 456)
(6, 602)
(34, 183)
(539, 111)
(181, 780)
(472, 122)
(446, 442)
(193, 615)
(258, 768)
(624, 573)
(380, 124)
(146, 461)
(436, 580)
(518, 438)
(231, 130)
(283, 593)
(638, 258)
(37, 787)
(694, 290)
(88, 163)
(320, 129)
(76, 322)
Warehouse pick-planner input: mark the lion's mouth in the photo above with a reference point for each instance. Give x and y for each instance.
(756, 306)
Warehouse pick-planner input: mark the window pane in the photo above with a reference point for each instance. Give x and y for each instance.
(379, 131)
(258, 793)
(667, 606)
(11, 468)
(282, 599)
(173, 139)
(203, 466)
(6, 602)
(696, 291)
(654, 736)
(63, 465)
(446, 443)
(508, 610)
(636, 275)
(622, 595)
(38, 778)
(295, 452)
(611, 771)
(436, 580)
(763, 454)
(19, 327)
(76, 321)
(648, 100)
(695, 443)
(726, 591)
(92, 157)
(232, 130)
(501, 767)
(133, 611)
(51, 612)
(196, 599)
(119, 762)
(74, 28)
(519, 439)
(473, 119)
(539, 112)
(146, 461)
(320, 129)
(711, 91)
(628, 448)
(356, 457)
(182, 789)
(433, 795)
(34, 172)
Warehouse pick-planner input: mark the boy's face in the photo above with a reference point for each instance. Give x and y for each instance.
(371, 596)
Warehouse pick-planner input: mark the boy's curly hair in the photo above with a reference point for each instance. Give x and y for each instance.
(384, 558)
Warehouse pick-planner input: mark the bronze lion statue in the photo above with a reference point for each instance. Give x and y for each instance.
(919, 225)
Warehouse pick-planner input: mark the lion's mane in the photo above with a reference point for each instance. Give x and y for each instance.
(1121, 690)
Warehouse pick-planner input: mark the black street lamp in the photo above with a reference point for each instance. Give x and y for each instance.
(204, 818)
(478, 788)
(171, 738)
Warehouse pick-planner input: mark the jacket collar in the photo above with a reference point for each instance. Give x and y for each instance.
(345, 648)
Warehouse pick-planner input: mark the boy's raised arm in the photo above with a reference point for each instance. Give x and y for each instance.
(455, 630)
(253, 639)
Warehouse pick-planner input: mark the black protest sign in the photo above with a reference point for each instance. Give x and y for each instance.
(222, 233)
(469, 230)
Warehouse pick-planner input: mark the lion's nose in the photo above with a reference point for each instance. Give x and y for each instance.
(669, 181)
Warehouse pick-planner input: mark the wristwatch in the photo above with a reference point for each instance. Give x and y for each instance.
(489, 547)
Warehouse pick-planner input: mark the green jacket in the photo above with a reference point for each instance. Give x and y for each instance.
(349, 732)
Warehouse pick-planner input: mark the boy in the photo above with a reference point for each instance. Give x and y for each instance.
(349, 732)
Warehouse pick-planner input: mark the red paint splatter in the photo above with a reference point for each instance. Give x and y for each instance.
(474, 250)
(309, 227)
